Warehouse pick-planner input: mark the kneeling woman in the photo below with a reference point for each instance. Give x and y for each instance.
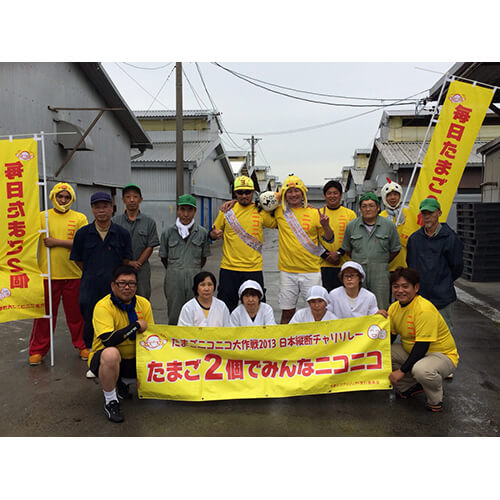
(427, 353)
(204, 309)
(251, 311)
(351, 300)
(317, 300)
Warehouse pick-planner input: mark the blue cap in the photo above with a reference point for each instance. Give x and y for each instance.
(100, 196)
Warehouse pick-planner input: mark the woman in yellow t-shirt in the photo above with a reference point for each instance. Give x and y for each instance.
(427, 352)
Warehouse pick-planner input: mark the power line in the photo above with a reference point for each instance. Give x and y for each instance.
(161, 88)
(236, 73)
(321, 125)
(145, 90)
(314, 101)
(237, 146)
(142, 67)
(201, 104)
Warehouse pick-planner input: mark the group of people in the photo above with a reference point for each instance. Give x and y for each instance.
(338, 262)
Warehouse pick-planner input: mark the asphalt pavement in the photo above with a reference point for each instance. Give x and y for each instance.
(59, 401)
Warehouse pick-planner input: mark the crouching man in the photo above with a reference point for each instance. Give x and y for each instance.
(117, 318)
(427, 353)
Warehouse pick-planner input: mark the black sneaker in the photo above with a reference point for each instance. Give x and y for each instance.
(411, 392)
(122, 390)
(112, 410)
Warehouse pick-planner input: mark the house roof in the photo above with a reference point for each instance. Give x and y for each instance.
(165, 152)
(406, 153)
(481, 72)
(103, 84)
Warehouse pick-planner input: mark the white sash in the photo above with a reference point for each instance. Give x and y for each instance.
(250, 240)
(301, 235)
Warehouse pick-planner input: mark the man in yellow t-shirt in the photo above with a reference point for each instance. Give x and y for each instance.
(339, 216)
(427, 353)
(302, 230)
(117, 319)
(392, 196)
(241, 227)
(65, 274)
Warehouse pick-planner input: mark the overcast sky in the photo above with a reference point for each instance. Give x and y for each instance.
(247, 109)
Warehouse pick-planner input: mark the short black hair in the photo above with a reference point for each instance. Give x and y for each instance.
(251, 291)
(409, 274)
(201, 277)
(334, 184)
(123, 269)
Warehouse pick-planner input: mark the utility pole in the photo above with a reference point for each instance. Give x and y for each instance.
(179, 132)
(253, 141)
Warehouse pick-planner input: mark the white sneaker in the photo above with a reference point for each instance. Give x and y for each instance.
(450, 376)
(90, 374)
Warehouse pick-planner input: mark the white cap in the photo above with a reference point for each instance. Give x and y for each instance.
(354, 265)
(250, 284)
(317, 292)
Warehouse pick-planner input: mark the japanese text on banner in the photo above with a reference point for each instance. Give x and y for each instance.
(459, 122)
(201, 364)
(21, 286)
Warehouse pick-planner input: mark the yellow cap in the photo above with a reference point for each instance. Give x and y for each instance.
(292, 181)
(243, 182)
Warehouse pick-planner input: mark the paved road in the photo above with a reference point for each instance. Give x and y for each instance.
(60, 401)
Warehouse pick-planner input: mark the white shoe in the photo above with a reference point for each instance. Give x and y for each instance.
(90, 374)
(450, 376)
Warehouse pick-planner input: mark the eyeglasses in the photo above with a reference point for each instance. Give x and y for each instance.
(125, 284)
(243, 191)
(350, 276)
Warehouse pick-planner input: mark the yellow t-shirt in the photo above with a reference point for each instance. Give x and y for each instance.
(62, 227)
(400, 259)
(293, 257)
(420, 321)
(108, 318)
(236, 254)
(339, 219)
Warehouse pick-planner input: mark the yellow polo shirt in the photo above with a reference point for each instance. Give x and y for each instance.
(420, 321)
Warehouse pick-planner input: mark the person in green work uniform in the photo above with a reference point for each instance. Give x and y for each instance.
(142, 230)
(372, 241)
(184, 248)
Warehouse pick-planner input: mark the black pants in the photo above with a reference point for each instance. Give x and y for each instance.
(330, 278)
(230, 282)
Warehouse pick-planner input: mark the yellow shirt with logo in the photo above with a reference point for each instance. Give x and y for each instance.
(236, 254)
(400, 259)
(420, 321)
(339, 219)
(293, 257)
(109, 318)
(62, 227)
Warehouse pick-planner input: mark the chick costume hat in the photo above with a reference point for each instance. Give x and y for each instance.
(292, 181)
(62, 186)
(389, 188)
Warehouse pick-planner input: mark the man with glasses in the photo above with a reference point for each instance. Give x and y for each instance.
(372, 241)
(241, 226)
(98, 248)
(117, 319)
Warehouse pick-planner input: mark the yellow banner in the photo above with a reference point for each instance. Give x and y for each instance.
(21, 286)
(459, 122)
(204, 364)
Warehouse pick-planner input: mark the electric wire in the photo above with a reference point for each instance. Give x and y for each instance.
(142, 67)
(201, 104)
(314, 101)
(236, 73)
(161, 88)
(321, 125)
(145, 90)
(237, 146)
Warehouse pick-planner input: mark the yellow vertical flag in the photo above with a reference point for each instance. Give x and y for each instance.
(459, 122)
(21, 286)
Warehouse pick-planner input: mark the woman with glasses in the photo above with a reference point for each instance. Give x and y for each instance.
(251, 311)
(204, 309)
(352, 300)
(317, 300)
